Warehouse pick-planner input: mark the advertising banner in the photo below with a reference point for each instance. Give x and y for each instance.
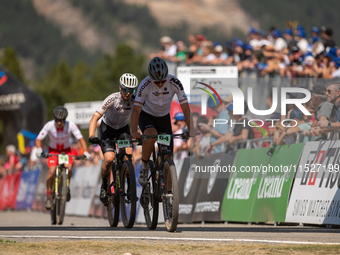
(259, 188)
(40, 193)
(27, 188)
(315, 196)
(83, 188)
(201, 189)
(9, 190)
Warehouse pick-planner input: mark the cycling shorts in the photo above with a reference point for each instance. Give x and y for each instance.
(108, 133)
(161, 124)
(53, 160)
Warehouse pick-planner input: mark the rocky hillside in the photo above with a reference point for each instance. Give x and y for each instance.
(227, 15)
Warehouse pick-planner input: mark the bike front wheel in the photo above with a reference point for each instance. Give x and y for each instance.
(170, 196)
(128, 194)
(59, 200)
(148, 200)
(113, 205)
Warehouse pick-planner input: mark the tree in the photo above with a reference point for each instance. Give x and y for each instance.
(11, 62)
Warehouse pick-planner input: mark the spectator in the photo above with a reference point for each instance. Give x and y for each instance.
(219, 130)
(168, 49)
(11, 160)
(297, 125)
(333, 96)
(323, 111)
(180, 146)
(204, 141)
(241, 130)
(326, 34)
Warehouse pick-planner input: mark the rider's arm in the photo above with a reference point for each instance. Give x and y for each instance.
(83, 144)
(134, 117)
(93, 124)
(38, 143)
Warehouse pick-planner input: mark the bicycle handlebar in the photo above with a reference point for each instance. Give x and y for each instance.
(46, 155)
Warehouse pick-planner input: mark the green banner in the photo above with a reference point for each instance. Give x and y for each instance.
(258, 189)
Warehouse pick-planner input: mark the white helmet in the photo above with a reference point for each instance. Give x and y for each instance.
(128, 80)
(158, 69)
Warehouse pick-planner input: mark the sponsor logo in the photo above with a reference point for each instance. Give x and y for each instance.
(160, 93)
(108, 103)
(208, 92)
(176, 82)
(140, 91)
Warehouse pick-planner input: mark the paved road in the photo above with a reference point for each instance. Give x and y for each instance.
(35, 226)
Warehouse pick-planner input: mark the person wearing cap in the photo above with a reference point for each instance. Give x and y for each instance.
(220, 55)
(115, 112)
(219, 130)
(180, 146)
(288, 36)
(241, 131)
(168, 48)
(323, 111)
(298, 125)
(12, 159)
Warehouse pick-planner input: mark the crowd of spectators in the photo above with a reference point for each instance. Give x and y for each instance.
(292, 52)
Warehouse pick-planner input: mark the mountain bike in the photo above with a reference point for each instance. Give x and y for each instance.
(60, 187)
(162, 184)
(122, 186)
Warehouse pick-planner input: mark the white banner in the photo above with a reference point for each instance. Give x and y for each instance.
(315, 196)
(83, 188)
(215, 76)
(81, 113)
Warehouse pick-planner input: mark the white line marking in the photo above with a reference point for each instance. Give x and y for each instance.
(166, 238)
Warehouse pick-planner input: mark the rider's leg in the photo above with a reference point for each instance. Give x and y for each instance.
(106, 167)
(50, 180)
(147, 148)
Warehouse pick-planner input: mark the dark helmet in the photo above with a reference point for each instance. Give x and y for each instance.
(60, 112)
(158, 69)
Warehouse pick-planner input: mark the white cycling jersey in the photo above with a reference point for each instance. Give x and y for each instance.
(115, 111)
(60, 138)
(157, 101)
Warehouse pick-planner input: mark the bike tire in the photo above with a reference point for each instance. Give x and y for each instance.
(113, 205)
(128, 196)
(61, 201)
(149, 202)
(53, 208)
(170, 203)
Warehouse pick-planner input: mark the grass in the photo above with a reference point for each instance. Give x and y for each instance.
(156, 247)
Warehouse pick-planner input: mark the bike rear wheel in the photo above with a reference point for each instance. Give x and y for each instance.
(60, 200)
(128, 194)
(170, 199)
(113, 197)
(148, 201)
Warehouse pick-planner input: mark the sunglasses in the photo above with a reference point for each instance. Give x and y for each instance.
(160, 82)
(59, 120)
(128, 90)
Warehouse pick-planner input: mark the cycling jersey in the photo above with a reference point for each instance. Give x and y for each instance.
(157, 101)
(115, 111)
(59, 138)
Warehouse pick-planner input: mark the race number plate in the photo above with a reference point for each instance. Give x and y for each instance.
(164, 139)
(123, 144)
(62, 159)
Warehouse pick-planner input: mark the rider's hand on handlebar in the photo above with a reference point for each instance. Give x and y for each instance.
(94, 140)
(38, 152)
(136, 135)
(87, 155)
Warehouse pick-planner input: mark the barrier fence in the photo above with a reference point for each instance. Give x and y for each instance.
(299, 183)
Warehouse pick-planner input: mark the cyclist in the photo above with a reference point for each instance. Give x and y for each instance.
(116, 111)
(152, 109)
(59, 131)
